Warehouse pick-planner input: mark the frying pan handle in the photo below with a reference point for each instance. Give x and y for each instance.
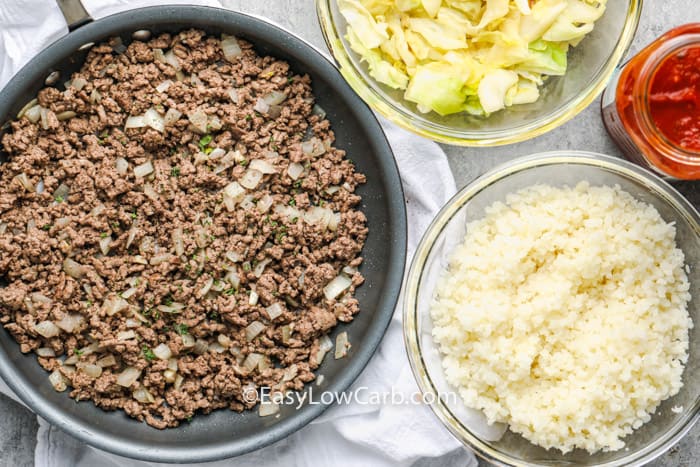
(74, 12)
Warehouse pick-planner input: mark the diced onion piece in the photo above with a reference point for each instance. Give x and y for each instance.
(132, 323)
(216, 348)
(332, 189)
(233, 94)
(67, 115)
(187, 341)
(265, 203)
(171, 116)
(178, 382)
(253, 299)
(224, 340)
(274, 97)
(144, 169)
(136, 121)
(341, 345)
(247, 203)
(199, 120)
(172, 364)
(142, 395)
(126, 335)
(233, 278)
(70, 322)
(318, 216)
(27, 106)
(149, 191)
(47, 329)
(251, 178)
(334, 222)
(95, 96)
(337, 286)
(252, 360)
(169, 376)
(132, 235)
(233, 256)
(58, 381)
(350, 270)
(44, 117)
(178, 243)
(267, 408)
(128, 293)
(290, 373)
(274, 310)
(261, 106)
(230, 47)
(107, 361)
(295, 170)
(158, 55)
(162, 351)
(105, 244)
(260, 267)
(216, 153)
(253, 329)
(25, 182)
(233, 192)
(73, 269)
(164, 86)
(214, 123)
(61, 192)
(324, 346)
(93, 371)
(206, 287)
(200, 347)
(262, 166)
(171, 59)
(160, 259)
(122, 166)
(286, 333)
(138, 259)
(287, 211)
(154, 120)
(128, 377)
(45, 352)
(313, 147)
(78, 83)
(71, 360)
(39, 187)
(318, 110)
(174, 307)
(114, 304)
(33, 114)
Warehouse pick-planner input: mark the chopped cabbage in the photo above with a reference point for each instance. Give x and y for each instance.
(474, 56)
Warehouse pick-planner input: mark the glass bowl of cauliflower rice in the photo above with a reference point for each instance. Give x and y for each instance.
(549, 313)
(478, 72)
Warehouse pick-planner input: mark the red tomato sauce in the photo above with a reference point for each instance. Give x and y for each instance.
(674, 100)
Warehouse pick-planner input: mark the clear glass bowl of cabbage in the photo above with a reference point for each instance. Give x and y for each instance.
(478, 72)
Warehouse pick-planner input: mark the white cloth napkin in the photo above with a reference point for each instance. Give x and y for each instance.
(345, 435)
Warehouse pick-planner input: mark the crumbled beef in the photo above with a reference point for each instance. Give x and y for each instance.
(167, 259)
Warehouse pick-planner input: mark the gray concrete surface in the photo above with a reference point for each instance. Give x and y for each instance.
(18, 427)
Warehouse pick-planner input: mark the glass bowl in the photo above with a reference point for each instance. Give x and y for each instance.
(447, 230)
(591, 64)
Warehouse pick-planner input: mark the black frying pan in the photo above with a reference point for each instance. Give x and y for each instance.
(225, 433)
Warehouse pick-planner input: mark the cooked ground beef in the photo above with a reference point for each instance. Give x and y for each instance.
(167, 264)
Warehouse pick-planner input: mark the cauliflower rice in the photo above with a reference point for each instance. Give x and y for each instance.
(564, 315)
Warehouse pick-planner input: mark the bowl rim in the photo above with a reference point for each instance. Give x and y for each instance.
(290, 44)
(440, 222)
(371, 92)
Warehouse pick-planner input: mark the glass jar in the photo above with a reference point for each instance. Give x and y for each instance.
(651, 107)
